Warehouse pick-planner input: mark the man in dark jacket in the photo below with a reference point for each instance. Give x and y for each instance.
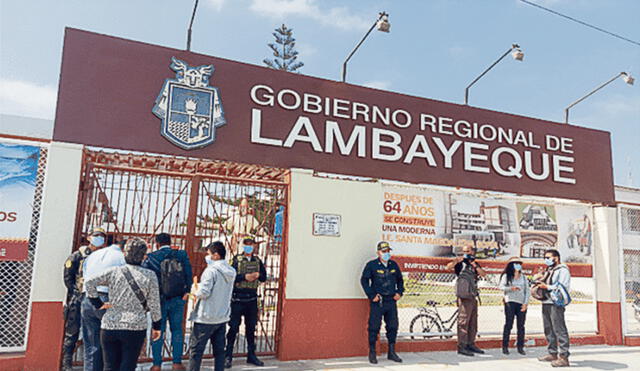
(244, 300)
(383, 284)
(468, 270)
(173, 295)
(74, 282)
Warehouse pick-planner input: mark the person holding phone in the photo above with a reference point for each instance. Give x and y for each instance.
(515, 287)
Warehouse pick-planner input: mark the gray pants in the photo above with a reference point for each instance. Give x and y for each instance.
(555, 329)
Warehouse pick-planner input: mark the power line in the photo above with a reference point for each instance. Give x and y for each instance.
(581, 22)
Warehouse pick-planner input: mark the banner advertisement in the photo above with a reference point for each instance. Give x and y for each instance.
(428, 227)
(18, 171)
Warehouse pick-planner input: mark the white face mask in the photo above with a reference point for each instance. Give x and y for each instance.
(97, 241)
(208, 259)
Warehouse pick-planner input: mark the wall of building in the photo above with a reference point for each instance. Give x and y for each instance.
(325, 310)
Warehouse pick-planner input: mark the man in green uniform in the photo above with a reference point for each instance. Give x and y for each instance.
(244, 300)
(73, 281)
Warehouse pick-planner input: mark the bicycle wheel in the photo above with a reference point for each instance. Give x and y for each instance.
(425, 324)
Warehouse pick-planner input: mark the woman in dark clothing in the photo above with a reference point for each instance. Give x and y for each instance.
(133, 291)
(516, 298)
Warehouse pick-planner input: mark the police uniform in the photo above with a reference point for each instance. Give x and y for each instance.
(73, 281)
(385, 281)
(244, 302)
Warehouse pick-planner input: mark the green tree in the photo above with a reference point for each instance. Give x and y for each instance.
(284, 51)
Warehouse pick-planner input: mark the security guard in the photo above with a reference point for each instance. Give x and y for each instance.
(244, 300)
(73, 281)
(383, 284)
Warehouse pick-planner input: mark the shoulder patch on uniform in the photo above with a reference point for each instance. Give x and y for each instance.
(393, 271)
(68, 263)
(380, 271)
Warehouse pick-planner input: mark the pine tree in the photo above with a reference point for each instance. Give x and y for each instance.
(284, 51)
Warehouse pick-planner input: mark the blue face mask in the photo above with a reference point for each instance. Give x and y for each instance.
(549, 261)
(208, 259)
(97, 241)
(386, 256)
(248, 249)
(517, 267)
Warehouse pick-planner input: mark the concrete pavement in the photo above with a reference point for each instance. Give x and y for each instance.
(591, 357)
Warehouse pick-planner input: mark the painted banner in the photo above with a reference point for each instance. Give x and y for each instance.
(422, 222)
(18, 171)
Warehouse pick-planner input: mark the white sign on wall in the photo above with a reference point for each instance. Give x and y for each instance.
(326, 224)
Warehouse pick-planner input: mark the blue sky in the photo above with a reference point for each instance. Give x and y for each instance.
(435, 48)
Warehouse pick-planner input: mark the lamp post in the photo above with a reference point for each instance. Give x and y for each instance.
(516, 53)
(625, 76)
(382, 24)
(193, 16)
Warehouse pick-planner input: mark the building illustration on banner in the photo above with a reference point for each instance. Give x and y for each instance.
(189, 108)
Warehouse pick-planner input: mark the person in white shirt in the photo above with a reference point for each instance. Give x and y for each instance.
(515, 287)
(94, 265)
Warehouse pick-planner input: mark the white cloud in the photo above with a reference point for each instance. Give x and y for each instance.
(338, 16)
(306, 50)
(378, 84)
(216, 4)
(25, 98)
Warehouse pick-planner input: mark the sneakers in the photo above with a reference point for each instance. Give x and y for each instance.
(561, 362)
(521, 351)
(505, 350)
(228, 361)
(548, 358)
(473, 348)
(177, 367)
(155, 368)
(464, 351)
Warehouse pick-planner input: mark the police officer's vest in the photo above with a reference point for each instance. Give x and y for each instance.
(248, 266)
(83, 252)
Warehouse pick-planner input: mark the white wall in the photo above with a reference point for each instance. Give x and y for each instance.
(607, 256)
(26, 126)
(57, 220)
(330, 267)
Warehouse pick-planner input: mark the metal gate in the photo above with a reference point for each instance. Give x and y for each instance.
(196, 201)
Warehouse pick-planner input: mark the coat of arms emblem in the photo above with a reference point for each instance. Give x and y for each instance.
(190, 109)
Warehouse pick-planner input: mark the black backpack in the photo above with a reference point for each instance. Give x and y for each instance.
(171, 276)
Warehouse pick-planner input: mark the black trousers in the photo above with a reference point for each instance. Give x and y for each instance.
(121, 348)
(248, 310)
(513, 310)
(200, 334)
(71, 327)
(388, 310)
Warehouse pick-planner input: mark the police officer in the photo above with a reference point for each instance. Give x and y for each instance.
(383, 284)
(244, 300)
(73, 281)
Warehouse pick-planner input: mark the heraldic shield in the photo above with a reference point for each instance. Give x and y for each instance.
(189, 108)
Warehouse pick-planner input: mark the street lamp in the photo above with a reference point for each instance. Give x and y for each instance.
(193, 15)
(625, 77)
(382, 24)
(516, 53)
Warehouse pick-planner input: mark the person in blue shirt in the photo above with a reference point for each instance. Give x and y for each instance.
(555, 327)
(172, 299)
(278, 227)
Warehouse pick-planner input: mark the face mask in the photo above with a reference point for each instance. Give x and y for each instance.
(386, 256)
(549, 261)
(248, 249)
(97, 241)
(517, 267)
(208, 259)
(470, 257)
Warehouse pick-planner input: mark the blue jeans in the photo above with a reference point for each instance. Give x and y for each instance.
(91, 320)
(172, 310)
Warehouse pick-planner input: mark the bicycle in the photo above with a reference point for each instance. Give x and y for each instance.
(429, 321)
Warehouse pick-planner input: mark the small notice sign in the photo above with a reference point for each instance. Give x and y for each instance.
(326, 224)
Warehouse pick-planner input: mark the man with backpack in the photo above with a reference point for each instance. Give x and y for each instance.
(467, 269)
(556, 280)
(174, 276)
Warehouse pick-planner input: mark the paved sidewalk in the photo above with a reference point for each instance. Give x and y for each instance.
(592, 357)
